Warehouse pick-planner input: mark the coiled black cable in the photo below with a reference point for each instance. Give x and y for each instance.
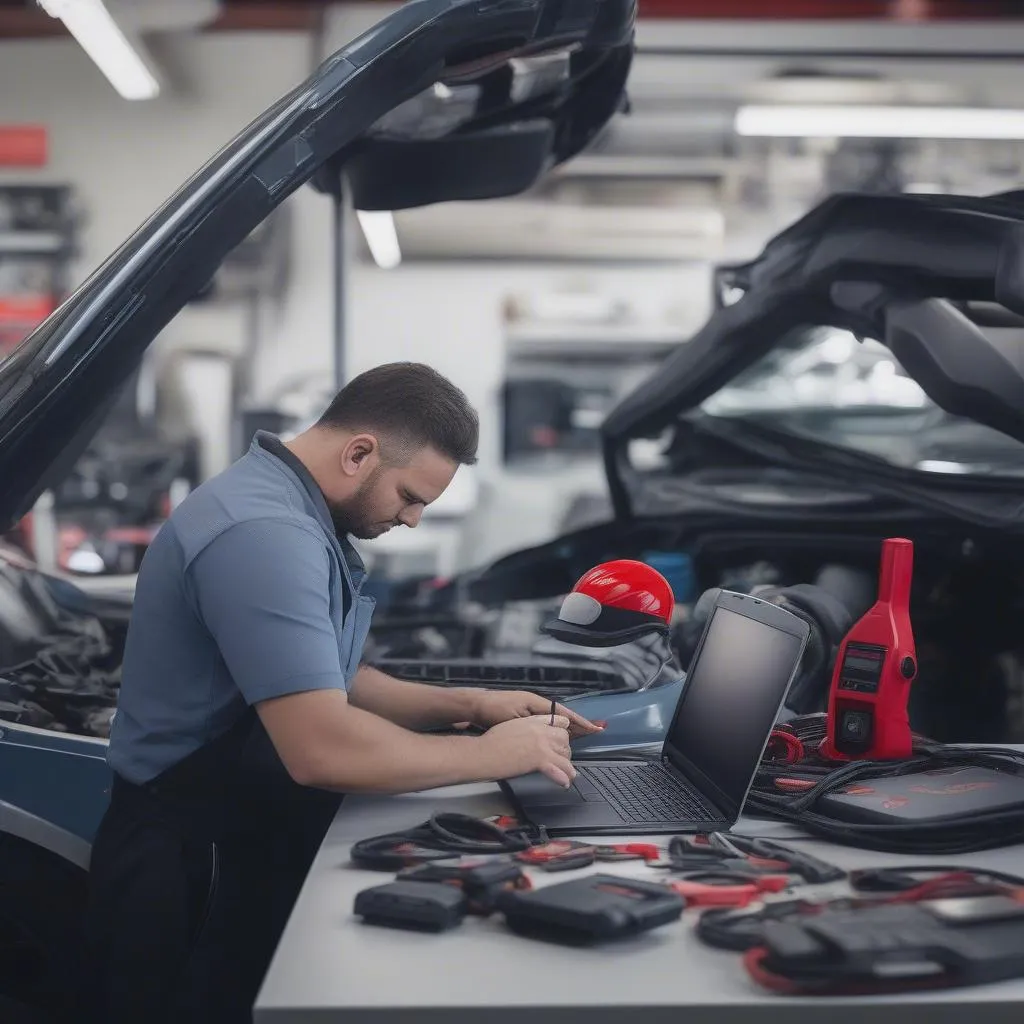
(740, 929)
(442, 837)
(967, 833)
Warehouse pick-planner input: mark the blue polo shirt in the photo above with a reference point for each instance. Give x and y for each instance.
(241, 597)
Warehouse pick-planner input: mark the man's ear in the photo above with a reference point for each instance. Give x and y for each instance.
(359, 451)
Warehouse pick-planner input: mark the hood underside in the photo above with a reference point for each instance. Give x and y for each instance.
(442, 100)
(902, 271)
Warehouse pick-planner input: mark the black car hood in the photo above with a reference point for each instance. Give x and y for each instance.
(898, 269)
(57, 386)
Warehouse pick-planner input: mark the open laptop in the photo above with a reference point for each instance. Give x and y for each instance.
(745, 661)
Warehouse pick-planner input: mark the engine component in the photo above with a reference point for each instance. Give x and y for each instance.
(829, 622)
(555, 678)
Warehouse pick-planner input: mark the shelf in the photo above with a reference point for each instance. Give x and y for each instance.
(32, 243)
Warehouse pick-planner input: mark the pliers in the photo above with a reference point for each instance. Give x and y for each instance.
(565, 855)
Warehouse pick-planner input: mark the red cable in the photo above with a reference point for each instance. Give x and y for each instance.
(753, 961)
(792, 751)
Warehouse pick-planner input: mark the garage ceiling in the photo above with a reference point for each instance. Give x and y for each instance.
(23, 19)
(673, 181)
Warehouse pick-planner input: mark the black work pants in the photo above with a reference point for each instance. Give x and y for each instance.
(182, 930)
(149, 886)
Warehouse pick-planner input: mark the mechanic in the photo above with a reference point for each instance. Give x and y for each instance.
(244, 711)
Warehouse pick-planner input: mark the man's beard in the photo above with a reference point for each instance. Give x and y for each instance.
(355, 516)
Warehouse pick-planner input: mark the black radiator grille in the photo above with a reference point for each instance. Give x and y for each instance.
(547, 679)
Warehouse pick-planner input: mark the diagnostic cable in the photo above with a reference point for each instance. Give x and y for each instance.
(794, 801)
(442, 837)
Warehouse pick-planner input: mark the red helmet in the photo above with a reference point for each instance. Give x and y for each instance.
(614, 603)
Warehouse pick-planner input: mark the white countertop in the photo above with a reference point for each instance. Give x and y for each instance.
(330, 966)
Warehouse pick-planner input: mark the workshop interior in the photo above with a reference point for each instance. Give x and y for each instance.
(737, 289)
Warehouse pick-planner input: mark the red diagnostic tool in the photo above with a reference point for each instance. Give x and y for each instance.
(877, 661)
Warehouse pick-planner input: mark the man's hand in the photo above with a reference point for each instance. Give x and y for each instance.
(492, 707)
(531, 744)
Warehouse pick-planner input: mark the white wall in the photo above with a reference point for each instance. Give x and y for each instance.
(451, 316)
(124, 159)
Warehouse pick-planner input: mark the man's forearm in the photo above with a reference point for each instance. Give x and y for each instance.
(327, 745)
(410, 705)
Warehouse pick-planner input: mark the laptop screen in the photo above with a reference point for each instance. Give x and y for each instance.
(731, 700)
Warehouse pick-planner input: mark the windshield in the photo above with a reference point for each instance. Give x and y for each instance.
(824, 385)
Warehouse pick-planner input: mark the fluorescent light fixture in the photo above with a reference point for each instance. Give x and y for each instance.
(98, 34)
(879, 122)
(381, 236)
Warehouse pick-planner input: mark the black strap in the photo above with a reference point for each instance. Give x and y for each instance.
(193, 794)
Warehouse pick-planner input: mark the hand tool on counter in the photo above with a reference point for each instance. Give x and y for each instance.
(567, 855)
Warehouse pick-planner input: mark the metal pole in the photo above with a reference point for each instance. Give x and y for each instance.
(340, 276)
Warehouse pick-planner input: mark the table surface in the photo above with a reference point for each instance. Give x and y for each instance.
(330, 966)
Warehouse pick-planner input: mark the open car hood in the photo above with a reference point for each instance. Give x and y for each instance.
(443, 100)
(899, 269)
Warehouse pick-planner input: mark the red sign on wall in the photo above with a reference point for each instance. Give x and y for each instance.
(23, 145)
(19, 317)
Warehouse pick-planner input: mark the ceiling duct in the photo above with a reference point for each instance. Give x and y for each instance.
(588, 217)
(536, 229)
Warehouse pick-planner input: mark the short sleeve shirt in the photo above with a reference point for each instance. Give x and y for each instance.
(240, 598)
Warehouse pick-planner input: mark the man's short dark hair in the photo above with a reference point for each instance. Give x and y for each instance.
(412, 406)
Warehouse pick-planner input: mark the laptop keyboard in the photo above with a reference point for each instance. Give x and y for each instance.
(645, 792)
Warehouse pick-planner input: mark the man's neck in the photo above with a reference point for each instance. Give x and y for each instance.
(306, 449)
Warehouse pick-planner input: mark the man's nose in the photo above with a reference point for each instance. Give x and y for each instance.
(411, 516)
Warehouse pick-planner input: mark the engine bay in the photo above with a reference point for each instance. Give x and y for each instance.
(966, 606)
(61, 649)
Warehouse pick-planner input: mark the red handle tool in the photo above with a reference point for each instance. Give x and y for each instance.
(726, 889)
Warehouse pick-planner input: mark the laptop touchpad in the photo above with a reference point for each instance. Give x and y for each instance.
(538, 790)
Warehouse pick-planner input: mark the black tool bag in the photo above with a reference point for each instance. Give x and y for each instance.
(893, 947)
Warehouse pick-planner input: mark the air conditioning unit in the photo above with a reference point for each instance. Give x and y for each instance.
(534, 229)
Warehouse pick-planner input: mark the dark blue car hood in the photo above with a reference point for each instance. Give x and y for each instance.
(57, 386)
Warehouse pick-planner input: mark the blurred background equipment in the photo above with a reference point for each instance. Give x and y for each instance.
(660, 333)
(37, 242)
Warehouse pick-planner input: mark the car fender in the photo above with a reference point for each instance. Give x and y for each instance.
(637, 722)
(54, 787)
(16, 821)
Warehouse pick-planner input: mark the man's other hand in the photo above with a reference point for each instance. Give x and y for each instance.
(521, 745)
(492, 707)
